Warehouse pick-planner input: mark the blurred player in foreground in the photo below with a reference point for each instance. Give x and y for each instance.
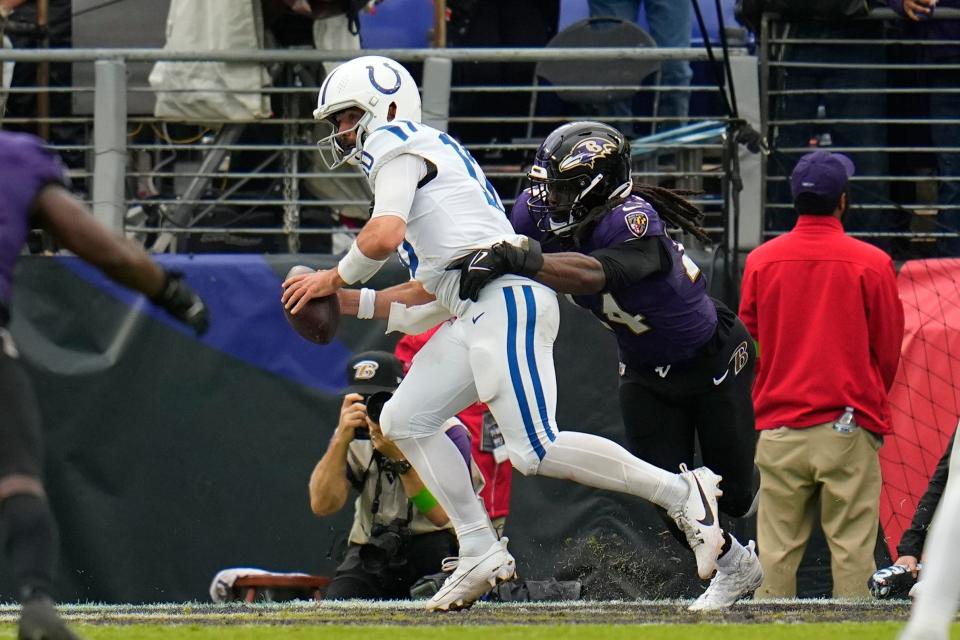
(935, 605)
(433, 200)
(686, 360)
(32, 183)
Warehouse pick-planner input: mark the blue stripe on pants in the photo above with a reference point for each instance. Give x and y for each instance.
(532, 362)
(515, 378)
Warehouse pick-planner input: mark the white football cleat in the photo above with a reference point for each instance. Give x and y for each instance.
(728, 586)
(473, 577)
(697, 517)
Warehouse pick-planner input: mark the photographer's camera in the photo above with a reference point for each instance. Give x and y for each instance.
(374, 403)
(386, 547)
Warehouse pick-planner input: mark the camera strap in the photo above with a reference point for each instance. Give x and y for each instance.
(383, 467)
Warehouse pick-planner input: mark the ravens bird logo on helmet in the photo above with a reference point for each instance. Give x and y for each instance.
(579, 166)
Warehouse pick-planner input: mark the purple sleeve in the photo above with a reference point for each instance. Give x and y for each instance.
(461, 437)
(897, 5)
(26, 166)
(635, 218)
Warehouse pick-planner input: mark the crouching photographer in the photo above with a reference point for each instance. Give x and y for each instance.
(400, 533)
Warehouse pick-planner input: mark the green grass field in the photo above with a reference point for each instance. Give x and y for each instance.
(666, 620)
(809, 631)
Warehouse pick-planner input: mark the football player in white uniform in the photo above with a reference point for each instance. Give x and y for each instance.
(434, 205)
(935, 600)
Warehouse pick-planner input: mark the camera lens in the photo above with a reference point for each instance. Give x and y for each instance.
(375, 404)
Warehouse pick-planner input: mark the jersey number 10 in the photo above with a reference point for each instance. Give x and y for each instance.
(472, 168)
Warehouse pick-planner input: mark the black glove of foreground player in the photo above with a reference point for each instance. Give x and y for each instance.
(479, 268)
(183, 303)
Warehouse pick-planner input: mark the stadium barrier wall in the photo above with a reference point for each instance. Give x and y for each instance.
(170, 457)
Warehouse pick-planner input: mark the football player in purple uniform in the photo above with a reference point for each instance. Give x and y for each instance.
(686, 360)
(32, 183)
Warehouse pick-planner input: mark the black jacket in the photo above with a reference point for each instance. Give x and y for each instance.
(911, 543)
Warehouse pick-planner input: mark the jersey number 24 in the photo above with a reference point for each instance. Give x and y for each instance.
(635, 321)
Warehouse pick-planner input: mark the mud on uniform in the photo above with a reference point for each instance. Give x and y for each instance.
(686, 360)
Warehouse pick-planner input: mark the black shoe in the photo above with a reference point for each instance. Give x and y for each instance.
(39, 621)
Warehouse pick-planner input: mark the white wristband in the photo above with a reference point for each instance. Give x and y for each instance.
(368, 298)
(356, 267)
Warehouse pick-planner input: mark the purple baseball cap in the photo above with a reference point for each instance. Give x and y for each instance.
(821, 173)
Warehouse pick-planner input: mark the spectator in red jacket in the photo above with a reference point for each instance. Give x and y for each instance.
(487, 445)
(824, 310)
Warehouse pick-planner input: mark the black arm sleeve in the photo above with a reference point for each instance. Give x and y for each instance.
(625, 263)
(911, 543)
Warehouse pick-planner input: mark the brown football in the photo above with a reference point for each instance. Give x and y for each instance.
(319, 319)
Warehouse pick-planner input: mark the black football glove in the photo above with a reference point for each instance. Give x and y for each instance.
(183, 303)
(478, 268)
(525, 261)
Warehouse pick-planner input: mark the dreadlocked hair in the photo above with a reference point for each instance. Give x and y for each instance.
(674, 208)
(670, 204)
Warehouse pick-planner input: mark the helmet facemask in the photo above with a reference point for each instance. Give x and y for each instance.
(559, 205)
(332, 151)
(380, 87)
(580, 166)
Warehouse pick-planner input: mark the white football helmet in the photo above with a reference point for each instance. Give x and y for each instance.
(371, 83)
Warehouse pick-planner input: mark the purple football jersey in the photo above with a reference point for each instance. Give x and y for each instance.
(26, 166)
(660, 319)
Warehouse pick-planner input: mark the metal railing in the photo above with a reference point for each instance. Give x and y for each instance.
(862, 88)
(182, 186)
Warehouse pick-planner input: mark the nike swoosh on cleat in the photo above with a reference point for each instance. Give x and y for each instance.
(717, 381)
(477, 317)
(708, 517)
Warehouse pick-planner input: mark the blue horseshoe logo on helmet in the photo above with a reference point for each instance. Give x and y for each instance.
(376, 86)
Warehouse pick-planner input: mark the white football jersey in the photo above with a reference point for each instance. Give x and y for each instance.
(455, 209)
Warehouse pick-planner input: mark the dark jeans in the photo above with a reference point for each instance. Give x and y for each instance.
(424, 555)
(946, 106)
(669, 22)
(823, 85)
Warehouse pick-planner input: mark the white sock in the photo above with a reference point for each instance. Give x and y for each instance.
(729, 560)
(598, 462)
(441, 467)
(935, 606)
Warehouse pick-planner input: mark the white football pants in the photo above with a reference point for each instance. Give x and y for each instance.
(500, 353)
(935, 606)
